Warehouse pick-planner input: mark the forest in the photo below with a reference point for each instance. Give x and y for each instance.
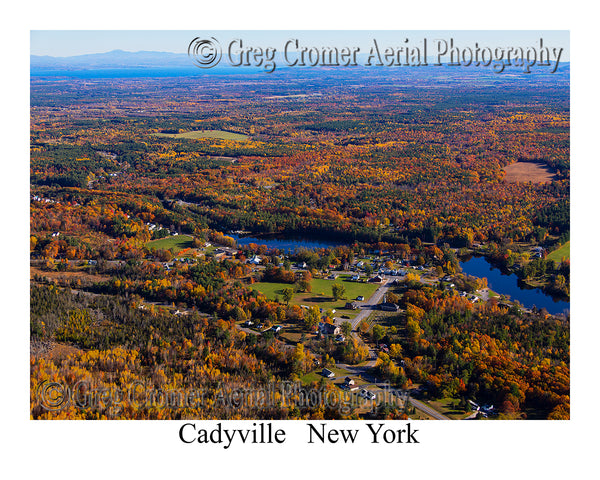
(401, 171)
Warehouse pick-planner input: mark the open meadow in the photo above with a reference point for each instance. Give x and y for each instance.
(196, 134)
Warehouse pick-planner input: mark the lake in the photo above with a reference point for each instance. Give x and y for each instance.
(287, 244)
(509, 285)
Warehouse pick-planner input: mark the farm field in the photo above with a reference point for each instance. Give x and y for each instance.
(196, 134)
(522, 172)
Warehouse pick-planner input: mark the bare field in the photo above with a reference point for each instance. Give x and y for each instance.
(67, 276)
(528, 172)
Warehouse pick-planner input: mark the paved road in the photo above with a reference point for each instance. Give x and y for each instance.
(370, 304)
(364, 372)
(427, 409)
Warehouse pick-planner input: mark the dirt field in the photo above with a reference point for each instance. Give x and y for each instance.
(528, 172)
(53, 350)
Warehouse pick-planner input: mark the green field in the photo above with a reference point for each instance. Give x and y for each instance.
(196, 134)
(177, 243)
(563, 252)
(321, 293)
(315, 375)
(446, 407)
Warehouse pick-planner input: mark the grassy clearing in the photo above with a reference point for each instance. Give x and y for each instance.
(445, 407)
(353, 289)
(321, 294)
(386, 319)
(563, 252)
(177, 243)
(315, 375)
(196, 134)
(312, 377)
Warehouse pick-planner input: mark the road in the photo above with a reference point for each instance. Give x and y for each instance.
(427, 409)
(370, 304)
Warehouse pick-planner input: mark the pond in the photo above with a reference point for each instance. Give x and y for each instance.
(509, 284)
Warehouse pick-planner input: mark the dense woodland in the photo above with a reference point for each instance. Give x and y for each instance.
(409, 166)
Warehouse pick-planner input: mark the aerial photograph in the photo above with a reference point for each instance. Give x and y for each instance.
(299, 225)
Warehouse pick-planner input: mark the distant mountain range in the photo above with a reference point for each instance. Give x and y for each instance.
(114, 58)
(121, 59)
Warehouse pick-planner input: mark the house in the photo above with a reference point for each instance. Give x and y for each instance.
(367, 394)
(255, 260)
(301, 265)
(55, 234)
(376, 279)
(328, 329)
(351, 305)
(349, 384)
(333, 276)
(360, 298)
(355, 278)
(276, 328)
(327, 373)
(389, 307)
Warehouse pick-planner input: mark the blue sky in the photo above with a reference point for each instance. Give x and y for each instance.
(78, 42)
